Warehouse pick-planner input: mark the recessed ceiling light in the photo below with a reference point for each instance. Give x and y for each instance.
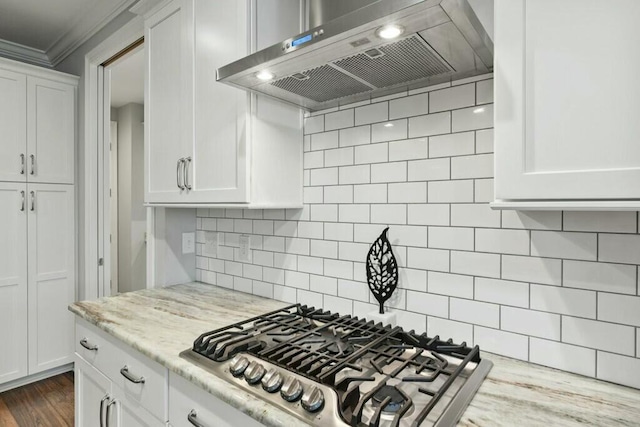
(265, 75)
(479, 110)
(389, 31)
(388, 125)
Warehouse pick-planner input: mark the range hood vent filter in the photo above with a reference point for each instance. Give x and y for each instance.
(403, 61)
(323, 84)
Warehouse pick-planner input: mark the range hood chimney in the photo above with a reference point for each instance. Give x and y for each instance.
(361, 49)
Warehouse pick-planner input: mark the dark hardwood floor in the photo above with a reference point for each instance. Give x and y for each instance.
(44, 403)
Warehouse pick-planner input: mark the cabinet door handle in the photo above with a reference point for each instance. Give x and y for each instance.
(187, 164)
(125, 373)
(22, 165)
(22, 197)
(111, 402)
(33, 201)
(104, 399)
(33, 164)
(193, 419)
(178, 174)
(85, 344)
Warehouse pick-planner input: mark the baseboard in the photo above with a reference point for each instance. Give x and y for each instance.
(35, 377)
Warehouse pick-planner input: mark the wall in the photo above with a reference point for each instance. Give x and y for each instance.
(132, 215)
(554, 288)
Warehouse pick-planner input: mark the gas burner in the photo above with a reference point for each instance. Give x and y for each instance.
(340, 349)
(395, 399)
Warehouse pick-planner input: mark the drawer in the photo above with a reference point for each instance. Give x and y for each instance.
(141, 379)
(185, 398)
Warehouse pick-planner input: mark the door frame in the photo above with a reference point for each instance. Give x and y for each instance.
(94, 133)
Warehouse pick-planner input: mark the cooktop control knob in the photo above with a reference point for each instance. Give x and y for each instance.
(254, 373)
(291, 389)
(272, 381)
(312, 399)
(238, 365)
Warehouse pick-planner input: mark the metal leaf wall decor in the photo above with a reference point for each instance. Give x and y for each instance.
(382, 269)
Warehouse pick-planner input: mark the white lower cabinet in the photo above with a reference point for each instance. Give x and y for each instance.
(92, 393)
(191, 406)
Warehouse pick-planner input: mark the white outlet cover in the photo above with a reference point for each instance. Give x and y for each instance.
(210, 248)
(244, 251)
(188, 243)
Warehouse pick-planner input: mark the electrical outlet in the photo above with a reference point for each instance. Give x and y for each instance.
(244, 252)
(188, 243)
(210, 248)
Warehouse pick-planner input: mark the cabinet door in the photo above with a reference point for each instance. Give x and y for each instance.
(13, 282)
(13, 126)
(567, 104)
(50, 131)
(51, 275)
(127, 412)
(219, 168)
(168, 127)
(188, 401)
(92, 394)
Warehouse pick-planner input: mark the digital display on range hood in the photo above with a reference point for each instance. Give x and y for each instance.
(301, 40)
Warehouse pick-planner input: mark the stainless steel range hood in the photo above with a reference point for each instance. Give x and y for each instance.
(345, 59)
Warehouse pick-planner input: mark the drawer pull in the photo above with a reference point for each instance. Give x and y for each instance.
(90, 347)
(193, 419)
(125, 373)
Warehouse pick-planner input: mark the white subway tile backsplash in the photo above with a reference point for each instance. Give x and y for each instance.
(619, 369)
(564, 245)
(430, 124)
(621, 248)
(598, 335)
(374, 153)
(530, 322)
(409, 149)
(372, 113)
(338, 194)
(450, 191)
(389, 131)
(409, 106)
(599, 276)
(475, 263)
(451, 238)
(455, 144)
(338, 120)
(573, 302)
(619, 309)
(452, 98)
(515, 242)
(472, 118)
(428, 214)
(503, 292)
(608, 222)
(478, 313)
(566, 357)
(507, 343)
(551, 287)
(454, 285)
(407, 192)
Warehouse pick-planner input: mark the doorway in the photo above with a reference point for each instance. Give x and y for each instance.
(123, 171)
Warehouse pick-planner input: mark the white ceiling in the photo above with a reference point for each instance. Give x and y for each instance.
(44, 32)
(127, 80)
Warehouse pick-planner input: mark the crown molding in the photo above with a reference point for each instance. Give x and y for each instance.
(85, 26)
(147, 7)
(24, 53)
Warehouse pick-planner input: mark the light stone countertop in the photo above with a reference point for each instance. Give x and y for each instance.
(160, 323)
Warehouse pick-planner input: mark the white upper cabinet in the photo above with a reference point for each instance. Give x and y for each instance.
(13, 126)
(208, 143)
(566, 104)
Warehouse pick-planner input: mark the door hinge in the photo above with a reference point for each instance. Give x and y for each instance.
(100, 262)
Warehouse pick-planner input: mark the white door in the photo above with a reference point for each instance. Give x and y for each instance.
(50, 131)
(567, 104)
(92, 394)
(13, 281)
(13, 126)
(51, 275)
(127, 412)
(220, 162)
(168, 128)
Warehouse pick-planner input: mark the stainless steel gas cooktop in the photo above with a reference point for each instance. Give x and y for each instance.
(332, 370)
